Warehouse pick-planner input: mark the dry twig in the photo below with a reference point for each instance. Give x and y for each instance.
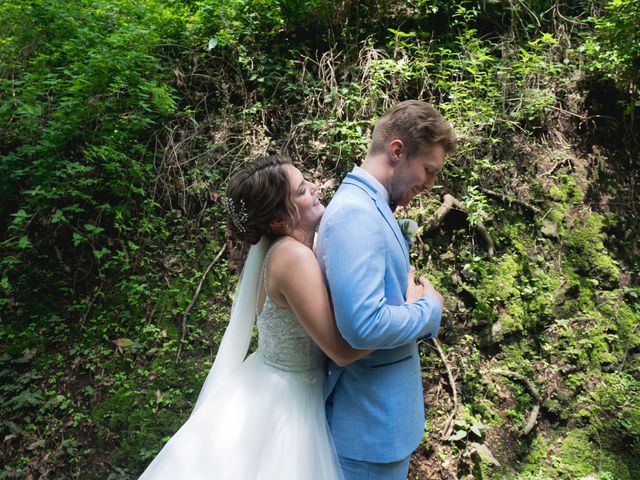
(93, 299)
(448, 425)
(195, 297)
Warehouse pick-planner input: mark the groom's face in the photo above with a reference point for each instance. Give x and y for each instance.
(415, 174)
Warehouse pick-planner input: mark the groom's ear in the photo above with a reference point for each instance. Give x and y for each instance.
(396, 149)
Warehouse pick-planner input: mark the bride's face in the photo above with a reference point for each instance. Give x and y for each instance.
(304, 196)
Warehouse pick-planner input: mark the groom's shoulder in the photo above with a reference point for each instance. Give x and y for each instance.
(348, 211)
(353, 193)
(349, 200)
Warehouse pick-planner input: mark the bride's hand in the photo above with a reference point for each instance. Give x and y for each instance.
(427, 289)
(414, 290)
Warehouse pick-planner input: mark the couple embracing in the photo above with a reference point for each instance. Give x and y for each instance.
(282, 413)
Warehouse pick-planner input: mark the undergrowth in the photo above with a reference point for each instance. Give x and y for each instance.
(121, 121)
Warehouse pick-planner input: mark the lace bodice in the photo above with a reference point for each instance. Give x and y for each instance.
(282, 341)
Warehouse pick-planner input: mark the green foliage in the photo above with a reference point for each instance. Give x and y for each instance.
(120, 122)
(613, 410)
(615, 49)
(79, 106)
(533, 72)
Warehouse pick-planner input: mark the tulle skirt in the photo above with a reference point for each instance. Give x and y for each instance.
(262, 423)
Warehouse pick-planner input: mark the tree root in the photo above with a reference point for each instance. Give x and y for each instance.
(195, 297)
(533, 415)
(510, 201)
(449, 202)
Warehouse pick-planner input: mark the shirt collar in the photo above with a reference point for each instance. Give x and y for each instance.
(361, 172)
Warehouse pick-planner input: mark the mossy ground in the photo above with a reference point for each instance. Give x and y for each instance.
(553, 309)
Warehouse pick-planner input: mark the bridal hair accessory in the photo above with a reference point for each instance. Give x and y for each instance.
(240, 217)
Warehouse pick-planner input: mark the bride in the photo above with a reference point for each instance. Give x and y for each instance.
(263, 417)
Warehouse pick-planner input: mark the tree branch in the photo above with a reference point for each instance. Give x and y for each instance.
(510, 201)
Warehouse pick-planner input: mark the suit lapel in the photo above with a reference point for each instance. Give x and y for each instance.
(382, 207)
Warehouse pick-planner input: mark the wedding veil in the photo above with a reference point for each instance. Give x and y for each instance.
(235, 342)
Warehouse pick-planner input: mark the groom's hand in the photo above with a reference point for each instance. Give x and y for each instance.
(429, 290)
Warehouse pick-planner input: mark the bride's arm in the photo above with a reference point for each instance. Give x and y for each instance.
(295, 278)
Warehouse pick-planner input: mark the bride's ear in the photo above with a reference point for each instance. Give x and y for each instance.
(279, 225)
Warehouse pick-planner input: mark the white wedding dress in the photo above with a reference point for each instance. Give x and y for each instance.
(261, 418)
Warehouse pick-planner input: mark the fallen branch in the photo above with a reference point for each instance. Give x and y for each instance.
(533, 416)
(195, 298)
(448, 425)
(557, 165)
(449, 202)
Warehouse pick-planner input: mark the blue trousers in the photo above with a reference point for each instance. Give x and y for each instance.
(359, 470)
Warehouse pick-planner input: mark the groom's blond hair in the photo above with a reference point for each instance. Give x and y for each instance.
(418, 124)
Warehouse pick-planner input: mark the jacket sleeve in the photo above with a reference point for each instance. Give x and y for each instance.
(354, 257)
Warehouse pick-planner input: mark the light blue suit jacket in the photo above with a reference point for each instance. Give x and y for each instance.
(374, 406)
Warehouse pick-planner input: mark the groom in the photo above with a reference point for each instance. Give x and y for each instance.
(375, 406)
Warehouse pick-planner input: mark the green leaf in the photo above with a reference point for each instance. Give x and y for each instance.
(100, 253)
(58, 216)
(19, 217)
(458, 435)
(476, 429)
(402, 34)
(77, 239)
(24, 242)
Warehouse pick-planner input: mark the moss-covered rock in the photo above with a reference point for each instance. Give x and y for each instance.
(586, 252)
(499, 306)
(536, 462)
(579, 457)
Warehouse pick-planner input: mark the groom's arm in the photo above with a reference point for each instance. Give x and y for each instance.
(354, 257)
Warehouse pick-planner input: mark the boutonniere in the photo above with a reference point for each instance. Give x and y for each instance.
(408, 227)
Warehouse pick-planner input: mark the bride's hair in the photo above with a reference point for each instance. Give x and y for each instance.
(257, 195)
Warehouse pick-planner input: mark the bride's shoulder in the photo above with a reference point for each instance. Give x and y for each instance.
(291, 254)
(291, 249)
(291, 266)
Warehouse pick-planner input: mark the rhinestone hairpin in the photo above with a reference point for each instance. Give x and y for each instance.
(240, 217)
